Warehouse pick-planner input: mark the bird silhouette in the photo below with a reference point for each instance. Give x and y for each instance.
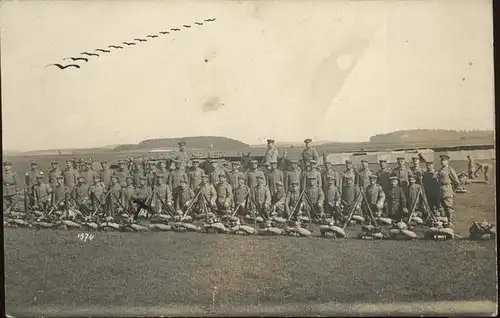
(198, 23)
(89, 54)
(175, 29)
(102, 50)
(210, 20)
(62, 67)
(141, 40)
(129, 43)
(151, 36)
(76, 59)
(116, 46)
(164, 32)
(186, 26)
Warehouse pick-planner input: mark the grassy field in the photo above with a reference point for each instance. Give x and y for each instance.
(53, 273)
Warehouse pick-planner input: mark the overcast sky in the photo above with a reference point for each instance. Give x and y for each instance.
(329, 70)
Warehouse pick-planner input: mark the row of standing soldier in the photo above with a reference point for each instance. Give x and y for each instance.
(390, 192)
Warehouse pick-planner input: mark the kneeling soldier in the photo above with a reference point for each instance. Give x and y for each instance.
(261, 196)
(42, 193)
(278, 200)
(292, 198)
(350, 192)
(396, 201)
(208, 196)
(224, 195)
(184, 197)
(332, 196)
(375, 196)
(241, 193)
(163, 199)
(60, 194)
(315, 197)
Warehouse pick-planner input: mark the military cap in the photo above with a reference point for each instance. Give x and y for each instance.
(7, 163)
(313, 162)
(307, 140)
(53, 162)
(70, 160)
(195, 160)
(60, 177)
(401, 158)
(259, 176)
(142, 178)
(279, 183)
(40, 176)
(311, 177)
(80, 177)
(295, 182)
(176, 161)
(444, 157)
(183, 181)
(34, 163)
(97, 176)
(382, 160)
(373, 176)
(393, 177)
(181, 143)
(213, 160)
(104, 161)
(348, 161)
(204, 175)
(294, 161)
(128, 178)
(253, 161)
(235, 163)
(429, 162)
(88, 162)
(121, 161)
(273, 161)
(241, 177)
(270, 141)
(330, 177)
(411, 176)
(114, 177)
(415, 158)
(364, 160)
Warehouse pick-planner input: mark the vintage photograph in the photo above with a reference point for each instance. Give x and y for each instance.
(248, 158)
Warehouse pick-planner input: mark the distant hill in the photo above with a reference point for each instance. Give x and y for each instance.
(434, 135)
(200, 142)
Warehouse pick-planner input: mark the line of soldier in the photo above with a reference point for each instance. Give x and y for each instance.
(272, 190)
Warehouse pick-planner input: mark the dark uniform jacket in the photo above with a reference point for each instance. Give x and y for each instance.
(105, 175)
(384, 180)
(194, 178)
(363, 178)
(232, 178)
(272, 177)
(10, 183)
(53, 174)
(396, 201)
(182, 197)
(70, 177)
(251, 177)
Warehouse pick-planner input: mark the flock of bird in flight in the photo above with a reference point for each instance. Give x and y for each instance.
(130, 43)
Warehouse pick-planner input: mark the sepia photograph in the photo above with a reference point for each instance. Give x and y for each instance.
(248, 158)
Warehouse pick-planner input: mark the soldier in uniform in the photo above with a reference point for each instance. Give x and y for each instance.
(105, 173)
(42, 194)
(226, 166)
(448, 181)
(32, 179)
(127, 194)
(224, 195)
(142, 192)
(403, 174)
(174, 180)
(164, 197)
(54, 173)
(233, 175)
(194, 175)
(137, 173)
(115, 197)
(413, 198)
(122, 173)
(273, 177)
(253, 174)
(292, 175)
(349, 195)
(60, 194)
(315, 197)
(278, 199)
(292, 198)
(363, 175)
(213, 177)
(384, 176)
(88, 173)
(184, 197)
(485, 168)
(375, 196)
(310, 171)
(271, 153)
(81, 195)
(10, 184)
(329, 172)
(261, 196)
(97, 192)
(349, 173)
(70, 175)
(332, 196)
(430, 181)
(396, 200)
(163, 172)
(208, 195)
(149, 172)
(416, 169)
(240, 196)
(309, 153)
(182, 154)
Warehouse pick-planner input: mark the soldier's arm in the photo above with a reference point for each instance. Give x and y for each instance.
(381, 197)
(454, 176)
(229, 193)
(315, 154)
(267, 200)
(213, 195)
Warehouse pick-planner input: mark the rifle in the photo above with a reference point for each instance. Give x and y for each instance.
(192, 203)
(299, 201)
(351, 213)
(143, 204)
(313, 209)
(245, 199)
(57, 202)
(370, 212)
(100, 203)
(80, 206)
(419, 193)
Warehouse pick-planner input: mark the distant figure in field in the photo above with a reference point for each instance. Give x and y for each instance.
(470, 169)
(485, 168)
